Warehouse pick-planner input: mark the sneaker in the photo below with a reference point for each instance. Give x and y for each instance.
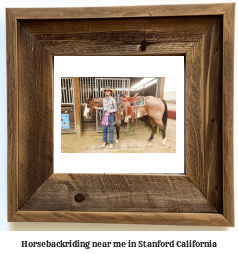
(111, 146)
(103, 144)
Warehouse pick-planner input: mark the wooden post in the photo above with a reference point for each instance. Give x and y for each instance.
(160, 85)
(77, 107)
(160, 92)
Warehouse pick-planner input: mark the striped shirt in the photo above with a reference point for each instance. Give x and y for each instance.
(109, 104)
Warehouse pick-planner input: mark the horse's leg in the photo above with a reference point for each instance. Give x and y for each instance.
(164, 120)
(118, 122)
(118, 131)
(163, 135)
(161, 126)
(153, 125)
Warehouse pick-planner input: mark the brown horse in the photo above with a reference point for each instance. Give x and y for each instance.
(92, 102)
(154, 107)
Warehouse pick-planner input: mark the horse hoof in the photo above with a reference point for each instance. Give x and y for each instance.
(149, 140)
(116, 141)
(163, 144)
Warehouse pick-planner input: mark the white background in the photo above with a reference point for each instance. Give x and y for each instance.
(117, 66)
(10, 240)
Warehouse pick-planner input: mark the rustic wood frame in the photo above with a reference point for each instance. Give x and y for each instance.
(204, 34)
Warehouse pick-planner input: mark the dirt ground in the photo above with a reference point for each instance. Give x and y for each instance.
(134, 141)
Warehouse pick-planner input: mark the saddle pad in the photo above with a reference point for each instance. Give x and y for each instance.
(140, 103)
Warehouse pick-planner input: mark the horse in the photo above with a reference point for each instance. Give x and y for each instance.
(154, 107)
(98, 101)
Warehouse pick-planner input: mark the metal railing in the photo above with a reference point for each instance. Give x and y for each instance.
(94, 86)
(67, 91)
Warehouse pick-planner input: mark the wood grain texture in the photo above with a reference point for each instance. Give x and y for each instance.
(190, 219)
(35, 81)
(227, 113)
(133, 49)
(121, 11)
(12, 117)
(56, 29)
(119, 36)
(204, 113)
(117, 193)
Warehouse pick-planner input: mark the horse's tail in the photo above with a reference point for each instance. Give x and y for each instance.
(165, 116)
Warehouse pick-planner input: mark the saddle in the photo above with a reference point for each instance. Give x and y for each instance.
(127, 102)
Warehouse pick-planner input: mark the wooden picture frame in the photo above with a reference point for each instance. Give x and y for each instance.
(204, 34)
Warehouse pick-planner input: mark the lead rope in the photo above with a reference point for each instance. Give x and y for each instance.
(108, 117)
(105, 119)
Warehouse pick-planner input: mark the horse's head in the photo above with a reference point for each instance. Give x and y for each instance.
(89, 109)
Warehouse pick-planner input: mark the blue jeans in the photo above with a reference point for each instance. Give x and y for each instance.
(111, 129)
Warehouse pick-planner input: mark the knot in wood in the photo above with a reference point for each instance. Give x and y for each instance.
(143, 45)
(79, 197)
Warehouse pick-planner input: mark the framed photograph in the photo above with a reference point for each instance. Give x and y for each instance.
(160, 97)
(202, 195)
